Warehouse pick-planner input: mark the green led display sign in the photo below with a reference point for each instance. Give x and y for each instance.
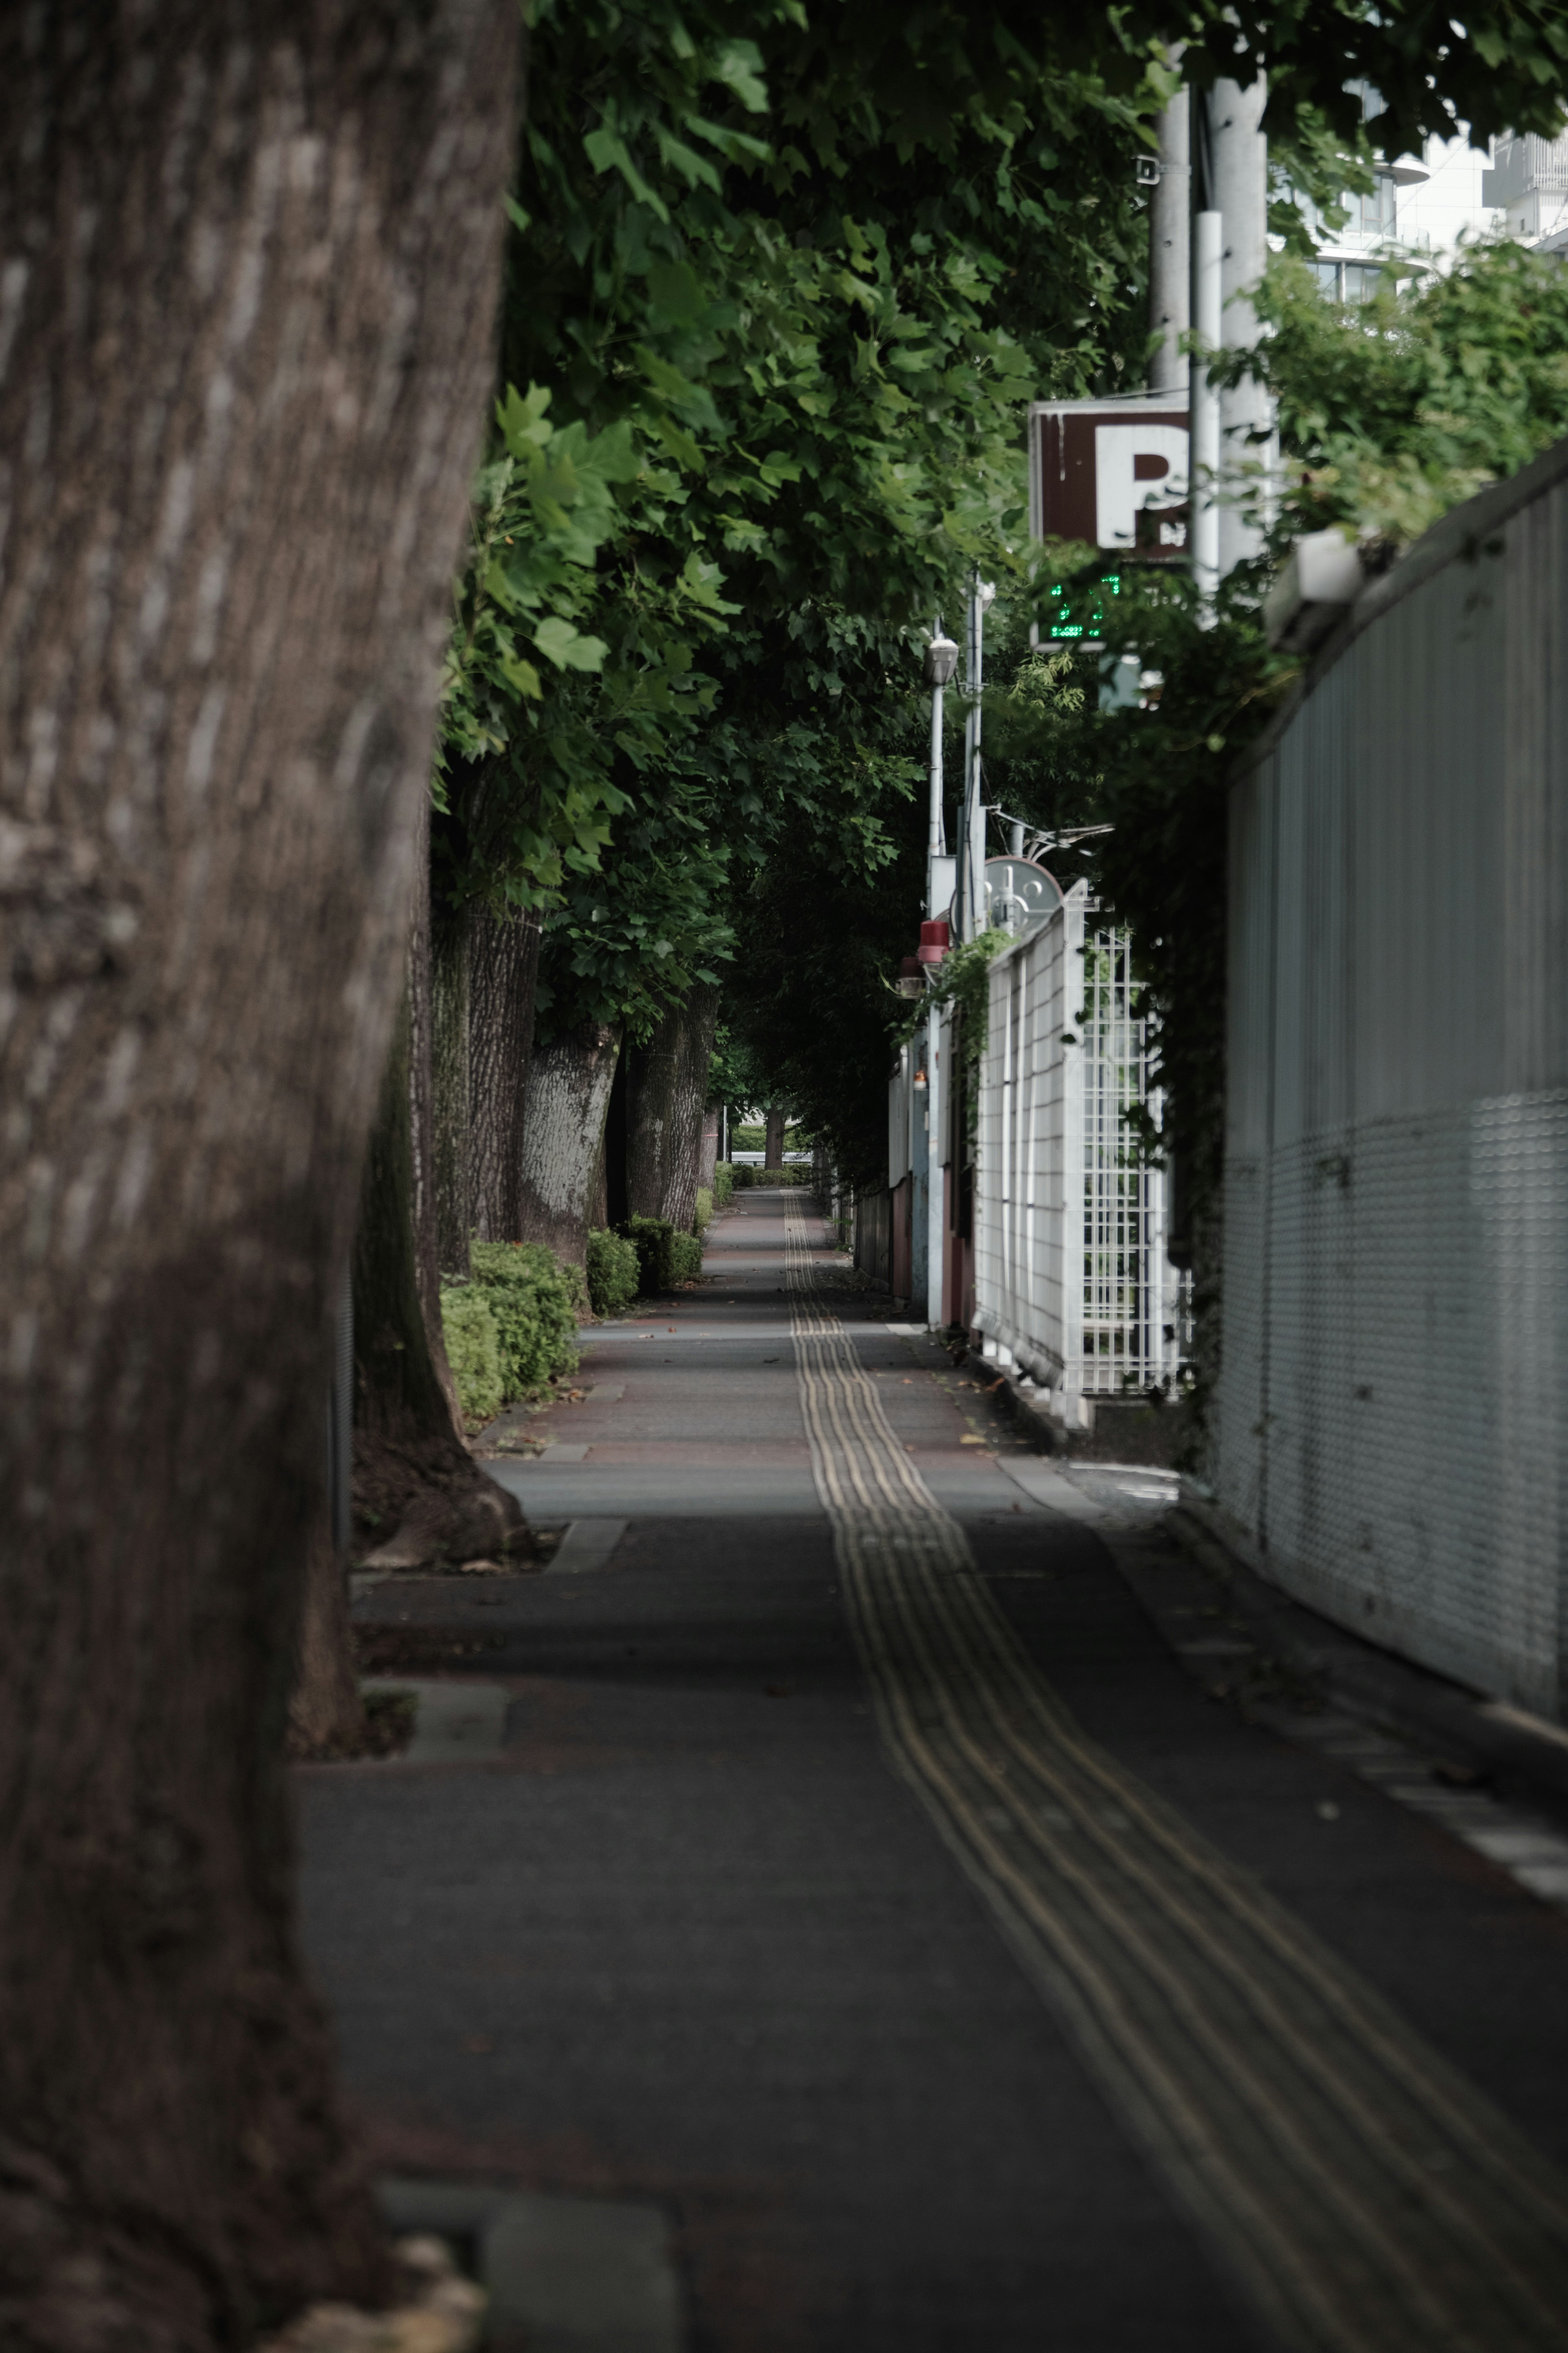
(1081, 620)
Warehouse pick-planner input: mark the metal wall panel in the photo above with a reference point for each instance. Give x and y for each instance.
(1389, 1418)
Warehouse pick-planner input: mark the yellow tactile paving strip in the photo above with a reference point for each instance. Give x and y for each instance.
(1367, 2197)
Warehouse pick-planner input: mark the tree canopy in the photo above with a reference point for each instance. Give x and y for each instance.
(781, 280)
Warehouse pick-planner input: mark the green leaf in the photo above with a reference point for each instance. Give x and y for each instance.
(609, 153)
(561, 643)
(676, 291)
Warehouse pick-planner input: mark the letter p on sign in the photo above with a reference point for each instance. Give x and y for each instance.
(1136, 465)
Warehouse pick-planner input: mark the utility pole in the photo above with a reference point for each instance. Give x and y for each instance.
(1204, 405)
(1169, 245)
(1240, 165)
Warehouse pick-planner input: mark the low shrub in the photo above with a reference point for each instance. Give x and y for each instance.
(703, 1217)
(723, 1183)
(612, 1272)
(473, 1350)
(746, 1174)
(664, 1258)
(535, 1309)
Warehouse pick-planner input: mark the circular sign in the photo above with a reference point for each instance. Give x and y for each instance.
(1019, 896)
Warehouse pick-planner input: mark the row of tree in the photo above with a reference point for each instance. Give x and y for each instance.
(774, 281)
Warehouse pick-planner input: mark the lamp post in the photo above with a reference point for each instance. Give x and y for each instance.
(940, 662)
(927, 1223)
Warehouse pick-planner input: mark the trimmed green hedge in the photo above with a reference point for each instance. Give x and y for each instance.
(535, 1302)
(612, 1272)
(473, 1350)
(723, 1183)
(704, 1214)
(665, 1257)
(746, 1174)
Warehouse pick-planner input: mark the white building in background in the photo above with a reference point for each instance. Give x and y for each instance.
(1518, 188)
(1527, 181)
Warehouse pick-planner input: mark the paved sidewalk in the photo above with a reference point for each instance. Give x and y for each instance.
(866, 1883)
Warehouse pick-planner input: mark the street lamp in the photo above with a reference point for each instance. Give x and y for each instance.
(940, 663)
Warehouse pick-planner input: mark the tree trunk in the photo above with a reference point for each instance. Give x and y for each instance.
(708, 1155)
(326, 1714)
(613, 1171)
(419, 1495)
(248, 347)
(422, 1117)
(503, 973)
(450, 1092)
(773, 1137)
(563, 1139)
(666, 1088)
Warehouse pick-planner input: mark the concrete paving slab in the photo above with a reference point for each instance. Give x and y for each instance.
(579, 1491)
(587, 1545)
(458, 1722)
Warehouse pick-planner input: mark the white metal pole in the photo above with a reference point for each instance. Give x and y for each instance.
(1204, 400)
(1170, 247)
(1241, 194)
(936, 844)
(936, 1223)
(976, 821)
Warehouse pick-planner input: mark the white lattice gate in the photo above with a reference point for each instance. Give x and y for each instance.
(1072, 1283)
(1133, 1306)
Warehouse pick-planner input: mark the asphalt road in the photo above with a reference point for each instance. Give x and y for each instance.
(700, 1935)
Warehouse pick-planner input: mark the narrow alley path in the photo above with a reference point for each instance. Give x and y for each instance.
(864, 1879)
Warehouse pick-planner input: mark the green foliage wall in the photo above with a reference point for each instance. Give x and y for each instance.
(473, 1351)
(535, 1310)
(614, 1270)
(666, 1257)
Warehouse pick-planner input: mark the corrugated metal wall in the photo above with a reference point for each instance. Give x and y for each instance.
(1395, 1374)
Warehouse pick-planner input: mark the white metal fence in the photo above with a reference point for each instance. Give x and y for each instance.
(1072, 1283)
(1133, 1308)
(1394, 1377)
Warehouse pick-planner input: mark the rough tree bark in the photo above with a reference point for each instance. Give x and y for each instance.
(247, 297)
(666, 1088)
(613, 1201)
(451, 1126)
(326, 1714)
(503, 974)
(563, 1139)
(773, 1137)
(419, 1495)
(422, 1115)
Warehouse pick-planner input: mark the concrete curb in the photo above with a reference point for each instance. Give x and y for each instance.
(1524, 1751)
